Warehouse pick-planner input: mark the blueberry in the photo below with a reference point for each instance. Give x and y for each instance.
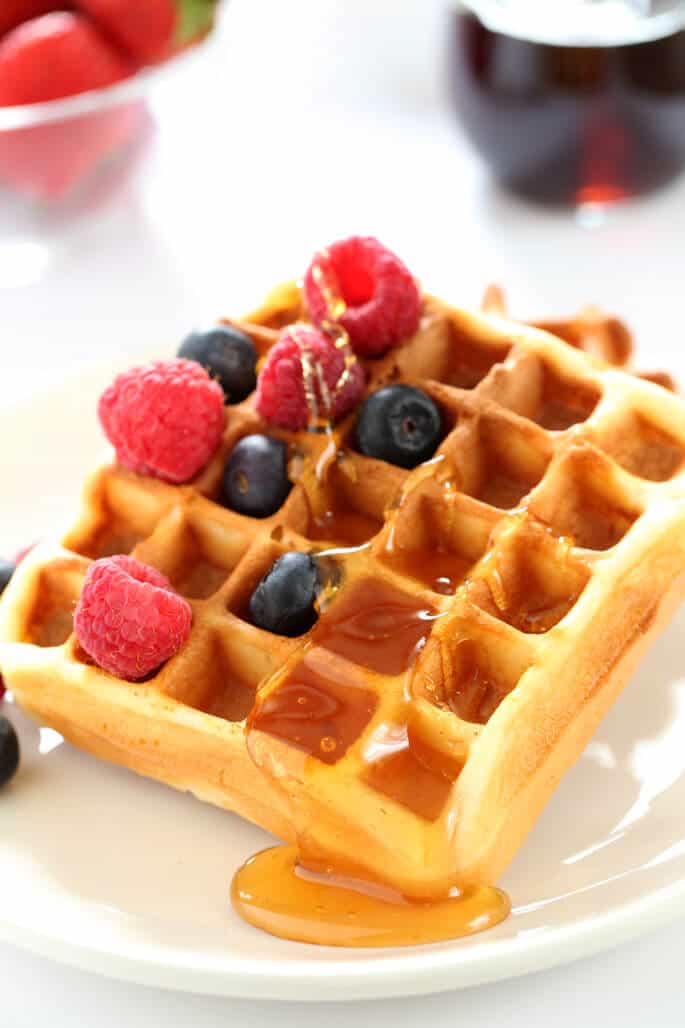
(228, 355)
(399, 424)
(9, 750)
(283, 602)
(7, 569)
(255, 480)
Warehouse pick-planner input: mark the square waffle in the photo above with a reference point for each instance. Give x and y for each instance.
(481, 612)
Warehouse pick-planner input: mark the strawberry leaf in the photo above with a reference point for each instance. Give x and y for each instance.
(195, 19)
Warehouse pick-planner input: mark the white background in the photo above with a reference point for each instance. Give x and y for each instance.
(306, 122)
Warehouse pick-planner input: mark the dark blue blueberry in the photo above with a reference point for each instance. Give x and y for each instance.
(9, 750)
(229, 356)
(284, 600)
(255, 480)
(7, 569)
(400, 425)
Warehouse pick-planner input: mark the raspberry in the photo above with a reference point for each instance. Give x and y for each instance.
(382, 302)
(128, 618)
(306, 377)
(164, 419)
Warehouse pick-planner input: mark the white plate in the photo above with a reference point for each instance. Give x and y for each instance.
(119, 875)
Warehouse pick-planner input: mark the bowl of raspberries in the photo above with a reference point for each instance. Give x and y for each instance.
(73, 77)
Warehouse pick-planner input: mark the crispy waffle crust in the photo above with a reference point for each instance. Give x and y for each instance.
(463, 656)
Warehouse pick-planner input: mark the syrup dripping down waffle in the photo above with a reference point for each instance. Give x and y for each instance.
(481, 612)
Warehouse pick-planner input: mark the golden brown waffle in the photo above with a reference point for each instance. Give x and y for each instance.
(591, 330)
(462, 658)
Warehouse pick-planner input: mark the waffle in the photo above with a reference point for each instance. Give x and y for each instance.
(591, 330)
(480, 614)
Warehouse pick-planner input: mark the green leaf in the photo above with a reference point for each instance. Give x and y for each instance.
(195, 18)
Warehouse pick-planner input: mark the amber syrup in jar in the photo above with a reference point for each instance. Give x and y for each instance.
(570, 124)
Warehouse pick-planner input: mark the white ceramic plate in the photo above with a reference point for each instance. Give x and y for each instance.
(119, 875)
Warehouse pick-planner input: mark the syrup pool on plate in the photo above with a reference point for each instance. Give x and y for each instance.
(274, 892)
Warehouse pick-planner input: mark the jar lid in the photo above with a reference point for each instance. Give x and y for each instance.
(582, 22)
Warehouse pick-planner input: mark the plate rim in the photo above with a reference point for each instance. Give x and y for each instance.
(406, 972)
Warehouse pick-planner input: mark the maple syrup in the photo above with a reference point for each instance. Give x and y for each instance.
(536, 611)
(322, 706)
(275, 892)
(377, 626)
(571, 124)
(439, 570)
(403, 777)
(343, 525)
(315, 709)
(474, 695)
(527, 602)
(332, 518)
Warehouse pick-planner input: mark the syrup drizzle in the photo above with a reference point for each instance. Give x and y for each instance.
(329, 287)
(341, 341)
(289, 891)
(438, 569)
(377, 627)
(322, 709)
(336, 307)
(312, 375)
(311, 466)
(317, 394)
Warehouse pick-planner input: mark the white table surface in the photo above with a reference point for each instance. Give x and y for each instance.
(304, 123)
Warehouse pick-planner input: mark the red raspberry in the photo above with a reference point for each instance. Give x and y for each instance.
(164, 419)
(382, 300)
(128, 618)
(306, 377)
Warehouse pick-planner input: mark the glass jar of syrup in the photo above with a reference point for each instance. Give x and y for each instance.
(573, 101)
